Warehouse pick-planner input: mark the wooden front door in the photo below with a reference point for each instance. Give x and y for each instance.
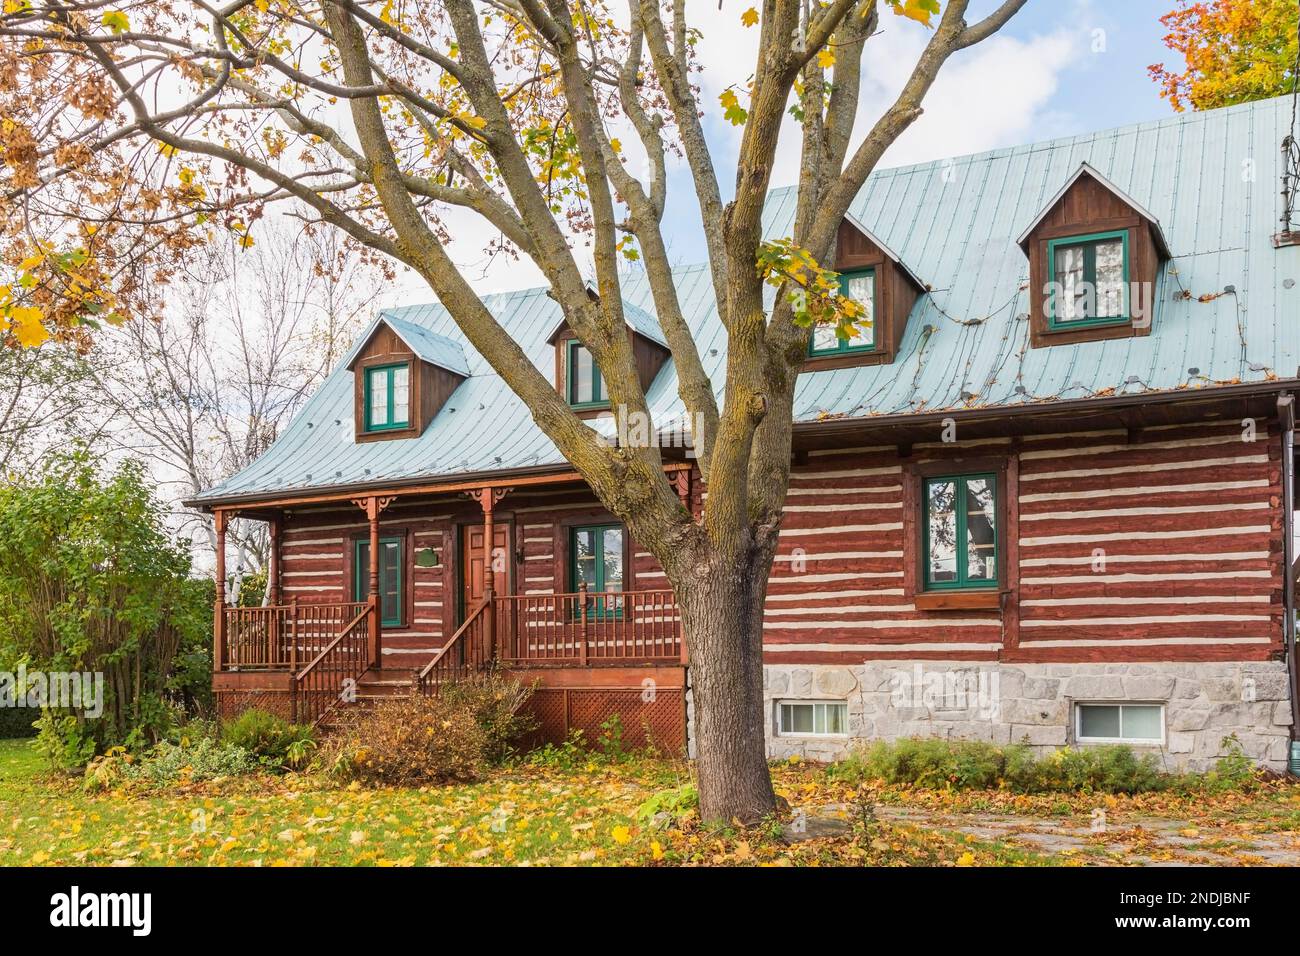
(471, 563)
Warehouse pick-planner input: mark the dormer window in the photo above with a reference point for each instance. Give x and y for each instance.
(402, 372)
(859, 285)
(578, 378)
(1089, 280)
(1094, 260)
(586, 389)
(872, 275)
(388, 397)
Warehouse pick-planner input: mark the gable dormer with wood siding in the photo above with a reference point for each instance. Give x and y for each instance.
(874, 275)
(1094, 238)
(577, 377)
(403, 374)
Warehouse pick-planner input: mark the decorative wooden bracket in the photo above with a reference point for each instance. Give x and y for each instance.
(374, 506)
(681, 482)
(488, 498)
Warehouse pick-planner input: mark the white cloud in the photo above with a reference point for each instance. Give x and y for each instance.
(998, 93)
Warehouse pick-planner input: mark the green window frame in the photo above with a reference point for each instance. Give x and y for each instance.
(598, 581)
(596, 397)
(392, 597)
(961, 544)
(850, 346)
(1088, 244)
(387, 374)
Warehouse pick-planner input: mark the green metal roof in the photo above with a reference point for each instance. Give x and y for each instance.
(1211, 181)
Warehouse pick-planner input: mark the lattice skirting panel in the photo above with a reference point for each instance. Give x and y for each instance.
(232, 703)
(659, 722)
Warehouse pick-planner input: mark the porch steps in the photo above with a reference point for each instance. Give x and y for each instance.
(373, 686)
(385, 682)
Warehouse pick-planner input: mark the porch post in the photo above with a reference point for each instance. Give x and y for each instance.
(487, 498)
(219, 606)
(372, 513)
(487, 501)
(373, 507)
(271, 600)
(274, 578)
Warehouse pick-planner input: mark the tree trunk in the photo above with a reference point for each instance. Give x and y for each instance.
(722, 622)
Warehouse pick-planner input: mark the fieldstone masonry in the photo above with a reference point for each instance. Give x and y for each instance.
(1003, 703)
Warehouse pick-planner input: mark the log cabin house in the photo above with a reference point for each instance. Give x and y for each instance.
(1046, 495)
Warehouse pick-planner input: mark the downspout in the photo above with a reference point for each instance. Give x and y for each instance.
(1286, 417)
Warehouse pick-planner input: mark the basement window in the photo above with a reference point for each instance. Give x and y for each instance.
(1119, 723)
(586, 389)
(859, 285)
(812, 718)
(1089, 280)
(960, 527)
(388, 397)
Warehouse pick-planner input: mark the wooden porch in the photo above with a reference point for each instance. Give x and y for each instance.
(580, 648)
(318, 652)
(582, 629)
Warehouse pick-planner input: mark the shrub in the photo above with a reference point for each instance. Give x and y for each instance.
(931, 762)
(676, 803)
(973, 765)
(562, 756)
(1113, 768)
(17, 722)
(407, 741)
(167, 764)
(496, 703)
(64, 741)
(91, 580)
(271, 739)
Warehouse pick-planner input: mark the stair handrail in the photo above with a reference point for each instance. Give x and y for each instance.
(300, 677)
(422, 677)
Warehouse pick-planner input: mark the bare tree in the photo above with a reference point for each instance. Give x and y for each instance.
(241, 338)
(504, 109)
(46, 399)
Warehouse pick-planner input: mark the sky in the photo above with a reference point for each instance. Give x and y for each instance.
(1059, 68)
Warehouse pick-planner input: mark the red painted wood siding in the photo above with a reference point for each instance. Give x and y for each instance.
(1189, 524)
(317, 549)
(1187, 519)
(317, 558)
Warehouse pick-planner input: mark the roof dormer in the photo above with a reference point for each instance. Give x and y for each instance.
(873, 275)
(1094, 253)
(403, 373)
(578, 378)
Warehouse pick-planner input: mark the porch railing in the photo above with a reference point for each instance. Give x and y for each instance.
(588, 626)
(328, 677)
(283, 637)
(466, 653)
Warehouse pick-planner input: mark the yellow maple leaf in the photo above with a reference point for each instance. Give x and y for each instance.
(622, 835)
(749, 17)
(28, 327)
(825, 58)
(656, 850)
(966, 859)
(116, 21)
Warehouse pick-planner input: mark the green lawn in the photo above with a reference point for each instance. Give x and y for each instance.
(578, 815)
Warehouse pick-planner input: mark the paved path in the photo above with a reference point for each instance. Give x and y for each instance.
(1146, 841)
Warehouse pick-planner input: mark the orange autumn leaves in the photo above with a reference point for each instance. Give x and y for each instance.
(1235, 51)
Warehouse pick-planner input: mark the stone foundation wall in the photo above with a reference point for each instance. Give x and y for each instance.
(1002, 703)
